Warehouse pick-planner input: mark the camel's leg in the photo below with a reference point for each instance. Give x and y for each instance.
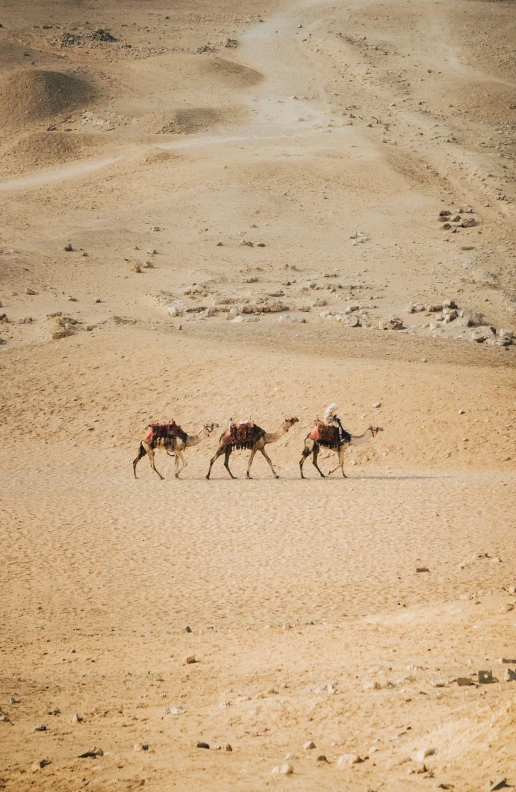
(341, 460)
(304, 455)
(253, 452)
(340, 453)
(180, 460)
(150, 452)
(227, 453)
(220, 450)
(269, 461)
(314, 459)
(141, 454)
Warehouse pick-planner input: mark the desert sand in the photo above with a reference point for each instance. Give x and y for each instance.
(229, 210)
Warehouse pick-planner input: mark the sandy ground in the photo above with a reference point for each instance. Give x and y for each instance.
(285, 164)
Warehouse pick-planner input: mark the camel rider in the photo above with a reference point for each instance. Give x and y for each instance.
(332, 419)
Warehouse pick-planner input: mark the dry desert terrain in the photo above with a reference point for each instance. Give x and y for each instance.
(216, 210)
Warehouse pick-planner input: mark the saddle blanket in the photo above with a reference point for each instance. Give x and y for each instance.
(158, 431)
(242, 435)
(329, 436)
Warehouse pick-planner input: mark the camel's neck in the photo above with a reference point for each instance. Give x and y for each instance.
(271, 437)
(193, 440)
(359, 439)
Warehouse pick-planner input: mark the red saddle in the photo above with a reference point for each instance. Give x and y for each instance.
(330, 436)
(242, 435)
(164, 431)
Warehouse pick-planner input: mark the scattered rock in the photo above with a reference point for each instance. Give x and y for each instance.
(394, 323)
(228, 748)
(31, 292)
(286, 769)
(76, 718)
(346, 760)
(40, 728)
(422, 569)
(469, 222)
(481, 334)
(509, 675)
(376, 405)
(178, 709)
(309, 745)
(141, 747)
(423, 753)
(322, 759)
(40, 765)
(97, 300)
(202, 745)
(188, 629)
(464, 681)
(500, 783)
(136, 268)
(102, 35)
(189, 660)
(91, 754)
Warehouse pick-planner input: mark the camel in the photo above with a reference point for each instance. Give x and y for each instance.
(249, 435)
(173, 440)
(334, 437)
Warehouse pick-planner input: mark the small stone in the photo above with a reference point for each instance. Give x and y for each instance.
(13, 700)
(286, 769)
(423, 753)
(202, 745)
(68, 247)
(500, 783)
(309, 745)
(237, 320)
(40, 765)
(98, 300)
(40, 728)
(347, 760)
(274, 770)
(507, 607)
(188, 629)
(76, 718)
(152, 252)
(464, 681)
(469, 222)
(30, 291)
(92, 753)
(322, 759)
(175, 710)
(376, 405)
(461, 412)
(422, 569)
(509, 675)
(141, 747)
(481, 334)
(228, 748)
(189, 660)
(136, 268)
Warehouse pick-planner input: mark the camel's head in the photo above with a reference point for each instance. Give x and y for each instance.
(288, 423)
(209, 427)
(375, 429)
